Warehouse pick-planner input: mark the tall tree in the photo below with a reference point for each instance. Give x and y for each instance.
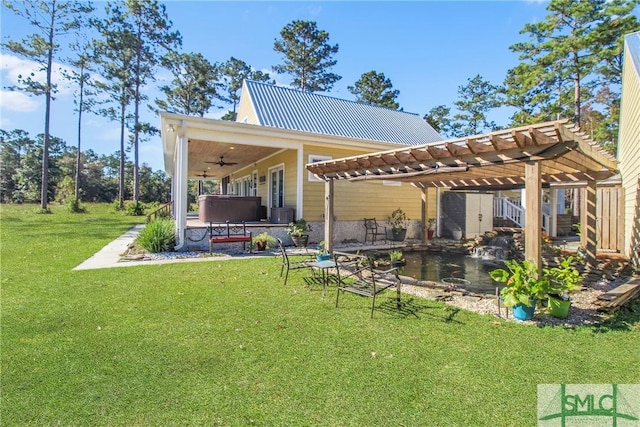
(51, 20)
(308, 56)
(152, 37)
(114, 56)
(576, 40)
(439, 117)
(375, 89)
(233, 73)
(475, 100)
(84, 97)
(193, 88)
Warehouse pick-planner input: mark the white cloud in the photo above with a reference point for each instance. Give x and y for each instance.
(18, 101)
(13, 67)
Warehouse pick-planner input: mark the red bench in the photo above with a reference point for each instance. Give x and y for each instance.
(229, 233)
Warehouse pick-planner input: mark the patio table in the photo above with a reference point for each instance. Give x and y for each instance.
(323, 266)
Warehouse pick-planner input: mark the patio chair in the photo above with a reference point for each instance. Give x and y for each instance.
(288, 265)
(374, 230)
(357, 276)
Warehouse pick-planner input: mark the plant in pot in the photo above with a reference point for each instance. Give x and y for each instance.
(263, 241)
(298, 230)
(561, 280)
(398, 221)
(323, 254)
(524, 286)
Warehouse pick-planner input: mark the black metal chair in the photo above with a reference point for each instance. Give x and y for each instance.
(288, 265)
(357, 276)
(374, 230)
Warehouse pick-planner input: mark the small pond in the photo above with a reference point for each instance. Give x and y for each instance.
(435, 266)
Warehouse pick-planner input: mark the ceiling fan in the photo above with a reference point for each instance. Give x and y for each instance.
(221, 162)
(203, 174)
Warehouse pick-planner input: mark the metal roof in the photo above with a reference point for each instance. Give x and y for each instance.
(286, 108)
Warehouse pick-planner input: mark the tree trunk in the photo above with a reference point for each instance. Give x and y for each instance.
(78, 158)
(121, 180)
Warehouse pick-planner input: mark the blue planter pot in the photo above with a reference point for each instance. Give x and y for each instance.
(524, 312)
(323, 257)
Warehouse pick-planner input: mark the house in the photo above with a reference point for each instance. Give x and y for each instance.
(279, 130)
(628, 144)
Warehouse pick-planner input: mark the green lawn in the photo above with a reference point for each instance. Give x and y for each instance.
(225, 343)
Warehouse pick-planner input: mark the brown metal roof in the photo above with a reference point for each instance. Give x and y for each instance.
(494, 160)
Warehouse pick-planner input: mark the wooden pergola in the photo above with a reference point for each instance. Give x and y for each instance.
(530, 156)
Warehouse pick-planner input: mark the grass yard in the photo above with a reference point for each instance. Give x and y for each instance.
(225, 343)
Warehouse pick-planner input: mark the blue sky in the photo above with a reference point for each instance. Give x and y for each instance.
(427, 49)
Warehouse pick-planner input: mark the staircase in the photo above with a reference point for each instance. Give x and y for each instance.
(505, 209)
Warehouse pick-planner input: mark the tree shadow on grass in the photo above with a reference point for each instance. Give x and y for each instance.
(419, 308)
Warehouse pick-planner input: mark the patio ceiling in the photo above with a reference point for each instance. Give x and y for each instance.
(203, 156)
(488, 161)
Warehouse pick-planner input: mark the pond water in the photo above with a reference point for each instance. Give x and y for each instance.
(435, 266)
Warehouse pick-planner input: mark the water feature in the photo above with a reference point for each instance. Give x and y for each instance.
(473, 268)
(499, 248)
(435, 266)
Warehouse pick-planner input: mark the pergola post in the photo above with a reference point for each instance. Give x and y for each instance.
(588, 220)
(328, 215)
(533, 206)
(424, 215)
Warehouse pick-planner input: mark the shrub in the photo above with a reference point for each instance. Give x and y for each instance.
(134, 209)
(74, 206)
(158, 236)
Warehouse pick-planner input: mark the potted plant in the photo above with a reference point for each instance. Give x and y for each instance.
(431, 230)
(456, 232)
(398, 221)
(524, 285)
(298, 230)
(396, 258)
(263, 241)
(561, 280)
(323, 254)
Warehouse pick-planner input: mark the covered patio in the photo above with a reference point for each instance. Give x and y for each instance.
(531, 157)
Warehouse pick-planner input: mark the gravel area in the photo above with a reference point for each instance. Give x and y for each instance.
(583, 310)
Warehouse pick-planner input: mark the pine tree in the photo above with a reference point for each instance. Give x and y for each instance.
(375, 89)
(307, 56)
(51, 20)
(233, 73)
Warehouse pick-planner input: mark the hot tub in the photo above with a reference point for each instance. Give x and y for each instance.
(221, 208)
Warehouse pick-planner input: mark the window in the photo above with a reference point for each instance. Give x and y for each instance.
(313, 158)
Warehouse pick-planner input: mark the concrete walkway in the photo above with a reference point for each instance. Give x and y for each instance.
(110, 255)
